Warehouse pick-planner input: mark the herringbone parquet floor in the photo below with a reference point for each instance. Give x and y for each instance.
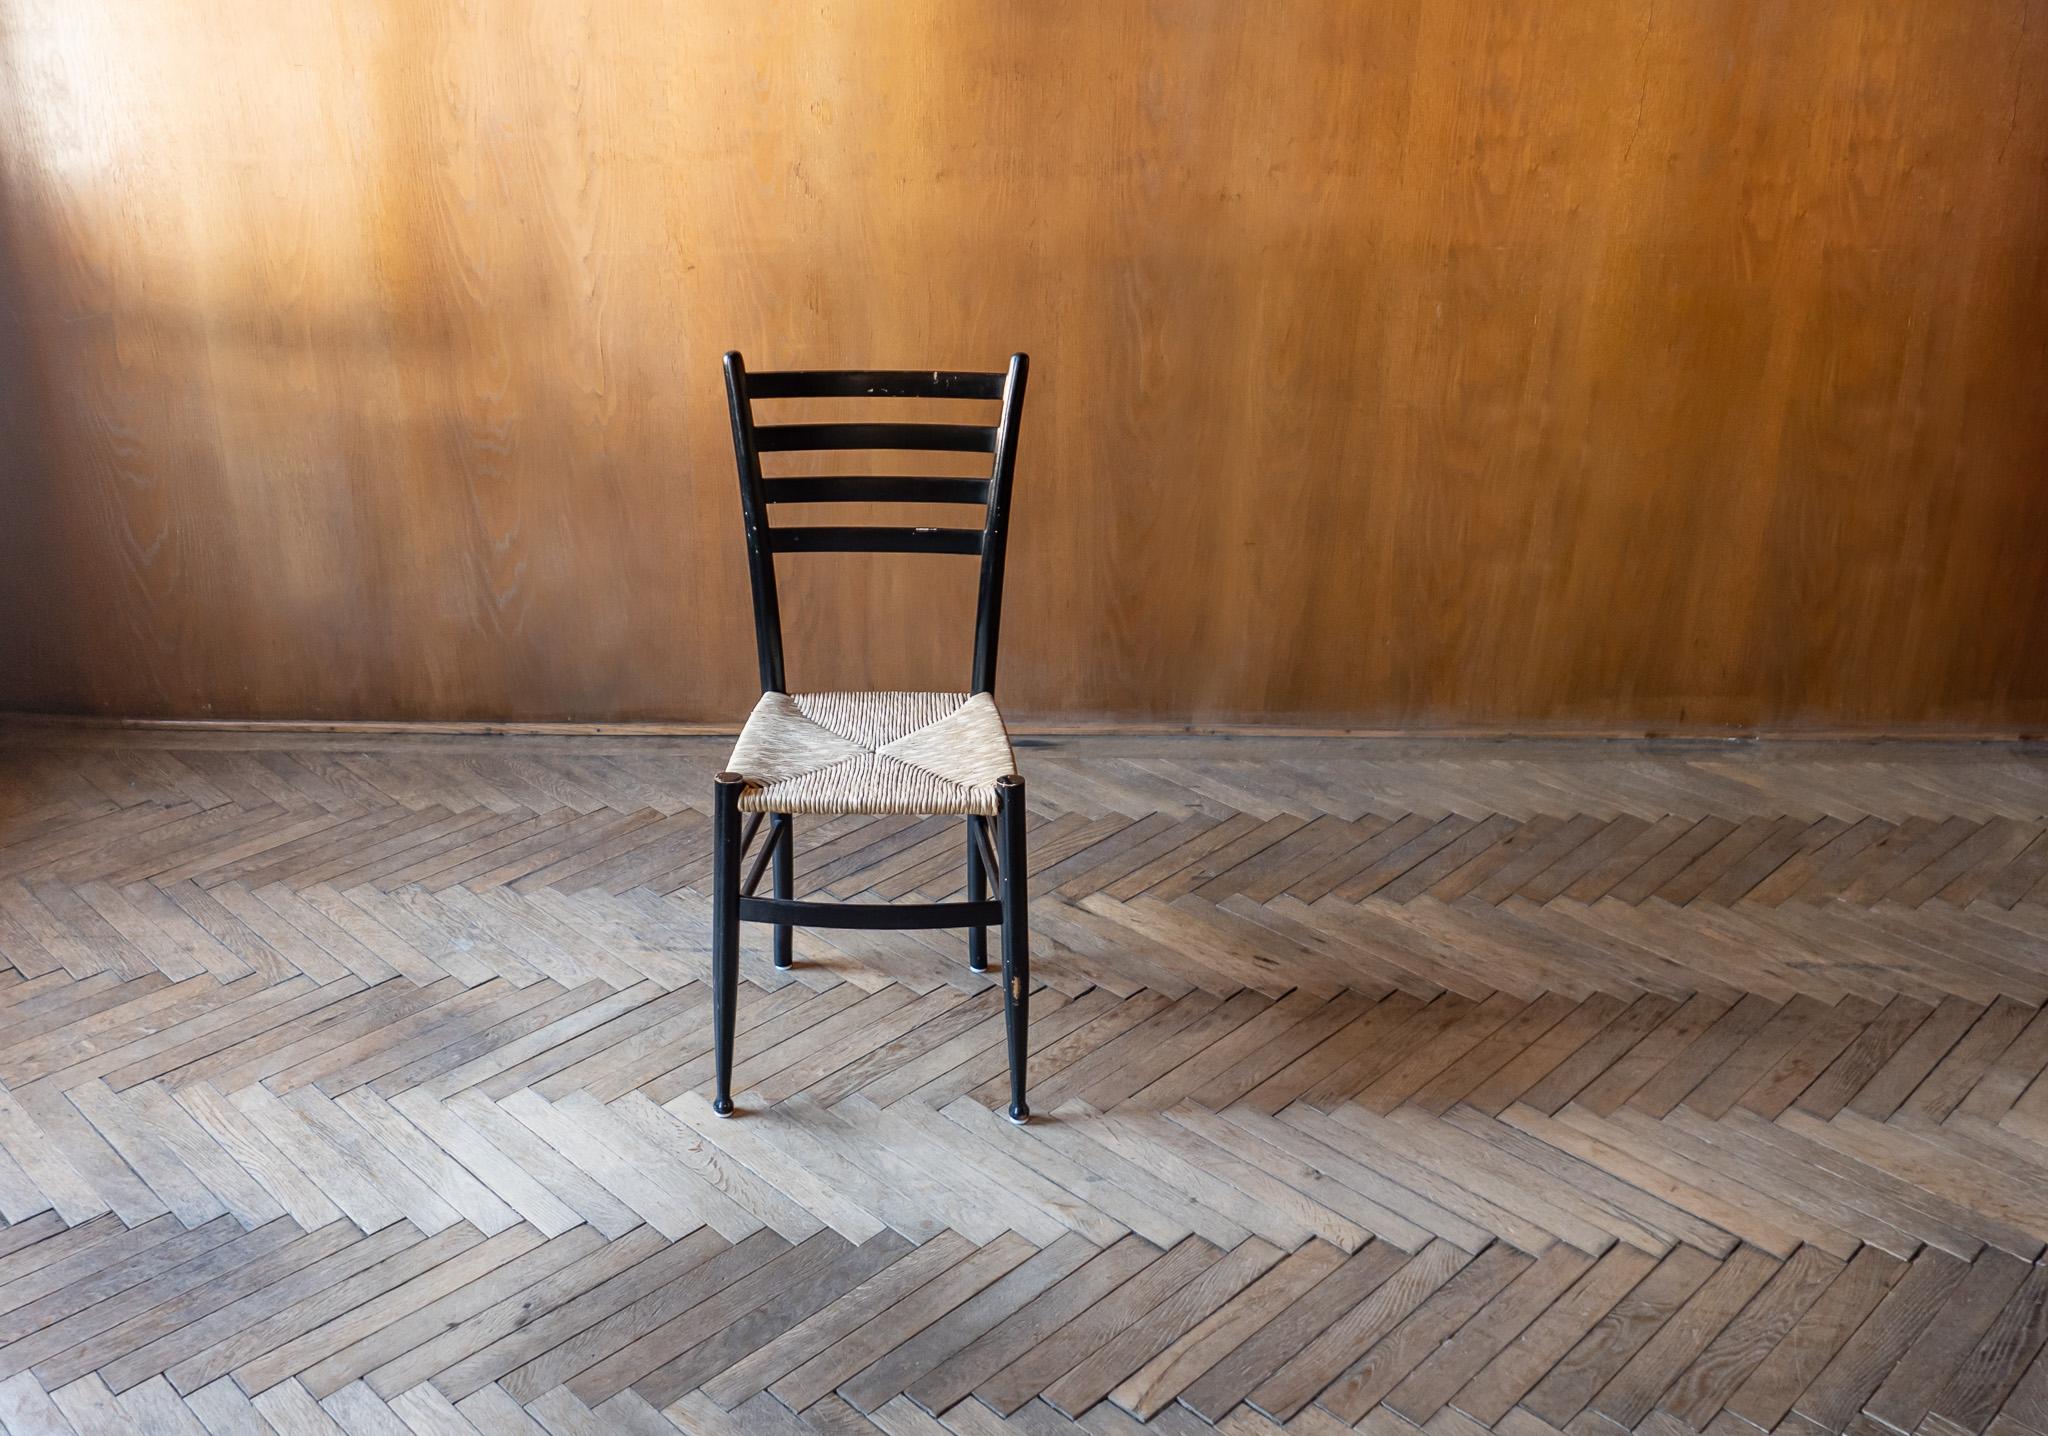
(355, 1083)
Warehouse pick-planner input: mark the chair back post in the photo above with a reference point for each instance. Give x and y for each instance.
(988, 610)
(760, 554)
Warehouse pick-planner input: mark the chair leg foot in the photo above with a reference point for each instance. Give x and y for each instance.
(723, 1107)
(1019, 1113)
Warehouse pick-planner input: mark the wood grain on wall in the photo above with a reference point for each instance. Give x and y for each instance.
(1634, 363)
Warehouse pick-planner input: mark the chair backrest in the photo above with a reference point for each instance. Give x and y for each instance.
(758, 495)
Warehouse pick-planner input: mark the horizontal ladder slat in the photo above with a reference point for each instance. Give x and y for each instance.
(874, 488)
(874, 384)
(945, 438)
(872, 538)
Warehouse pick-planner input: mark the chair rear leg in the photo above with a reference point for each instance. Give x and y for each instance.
(1015, 883)
(725, 931)
(782, 826)
(977, 891)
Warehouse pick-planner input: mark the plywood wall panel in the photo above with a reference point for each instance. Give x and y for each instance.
(1628, 364)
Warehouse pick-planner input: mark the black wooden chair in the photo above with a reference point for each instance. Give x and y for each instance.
(832, 754)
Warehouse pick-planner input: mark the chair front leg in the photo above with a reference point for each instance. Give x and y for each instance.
(1015, 883)
(977, 891)
(782, 827)
(725, 931)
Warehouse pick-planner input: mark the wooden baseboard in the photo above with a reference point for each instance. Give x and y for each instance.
(18, 722)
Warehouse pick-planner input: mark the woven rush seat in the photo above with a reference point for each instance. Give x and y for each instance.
(886, 754)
